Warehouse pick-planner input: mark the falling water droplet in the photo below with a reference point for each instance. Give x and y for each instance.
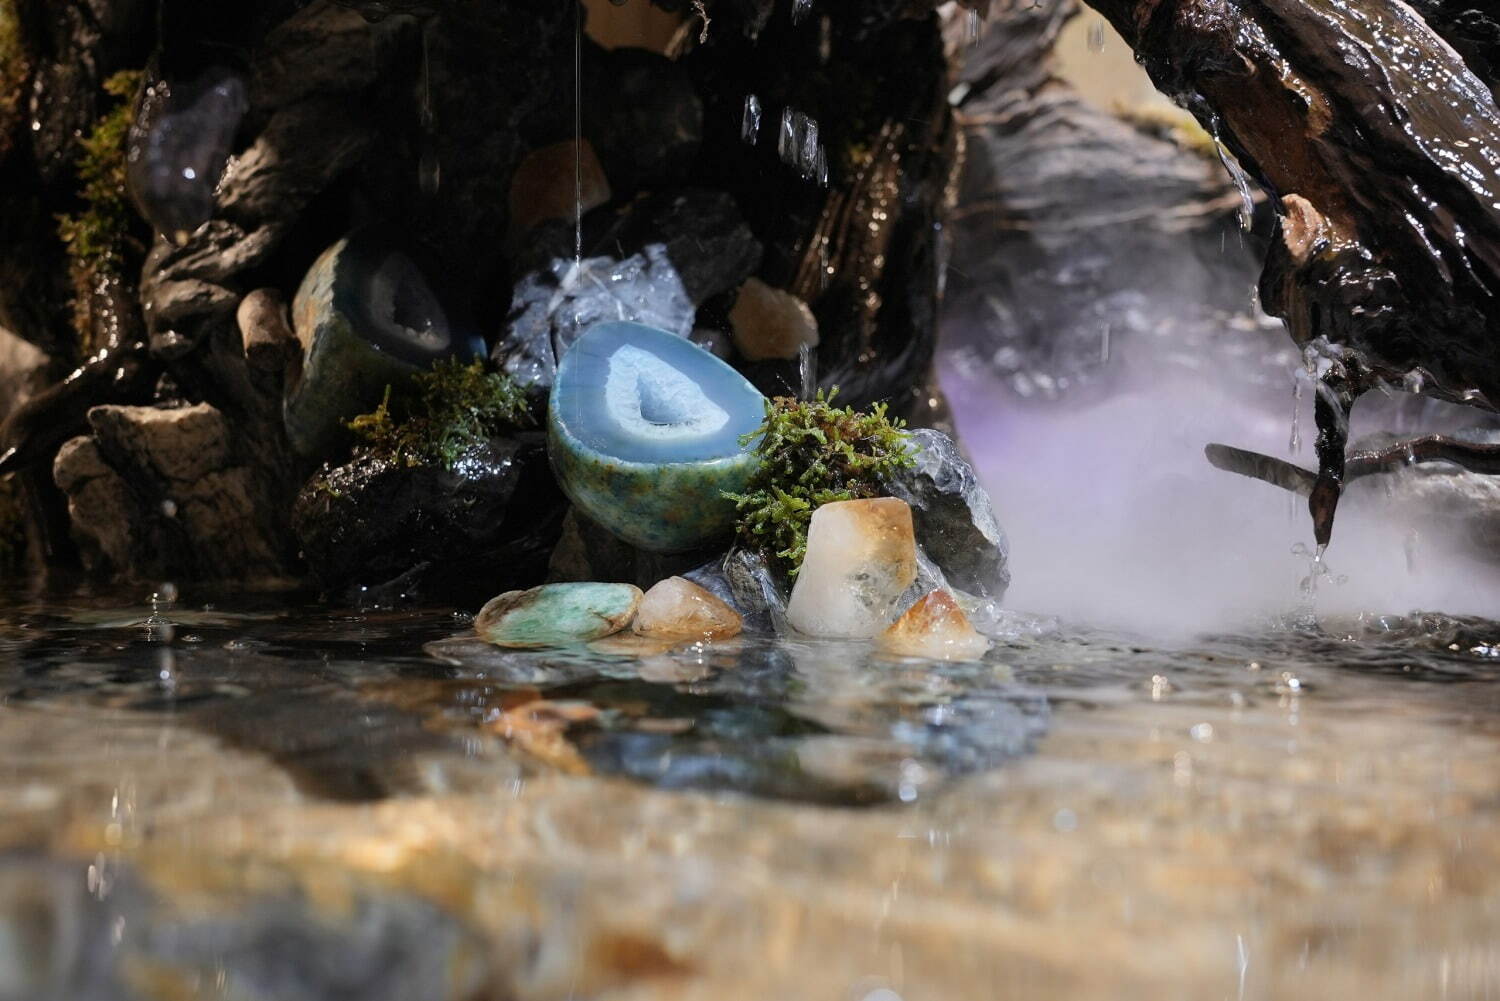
(577, 136)
(1241, 182)
(750, 124)
(800, 10)
(1295, 443)
(973, 26)
(429, 169)
(1096, 35)
(1413, 381)
(807, 365)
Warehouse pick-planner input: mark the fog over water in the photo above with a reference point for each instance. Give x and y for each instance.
(1115, 518)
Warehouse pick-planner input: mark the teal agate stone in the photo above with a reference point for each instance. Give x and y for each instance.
(644, 435)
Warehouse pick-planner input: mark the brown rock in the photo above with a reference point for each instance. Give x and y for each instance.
(544, 185)
(265, 331)
(679, 609)
(936, 628)
(769, 323)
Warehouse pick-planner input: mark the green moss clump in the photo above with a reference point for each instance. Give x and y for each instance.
(448, 411)
(14, 70)
(813, 453)
(97, 236)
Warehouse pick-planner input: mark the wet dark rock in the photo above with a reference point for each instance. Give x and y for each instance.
(463, 534)
(168, 493)
(178, 147)
(644, 118)
(655, 263)
(952, 514)
(1088, 252)
(865, 251)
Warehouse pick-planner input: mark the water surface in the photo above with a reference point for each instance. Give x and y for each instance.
(233, 796)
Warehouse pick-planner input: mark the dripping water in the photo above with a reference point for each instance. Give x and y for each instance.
(750, 124)
(973, 26)
(429, 169)
(1240, 178)
(807, 364)
(577, 135)
(800, 10)
(1294, 444)
(1096, 35)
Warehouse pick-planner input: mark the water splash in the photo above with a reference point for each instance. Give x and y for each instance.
(799, 146)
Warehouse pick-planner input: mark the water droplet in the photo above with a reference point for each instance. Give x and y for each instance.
(800, 10)
(750, 123)
(1096, 35)
(1241, 182)
(1203, 733)
(973, 26)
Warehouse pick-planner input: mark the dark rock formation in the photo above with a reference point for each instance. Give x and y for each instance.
(159, 494)
(383, 530)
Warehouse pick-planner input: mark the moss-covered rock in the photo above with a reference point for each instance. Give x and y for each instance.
(813, 453)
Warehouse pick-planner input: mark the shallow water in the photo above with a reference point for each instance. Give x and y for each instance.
(260, 797)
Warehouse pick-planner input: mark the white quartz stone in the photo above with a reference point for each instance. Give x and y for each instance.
(861, 557)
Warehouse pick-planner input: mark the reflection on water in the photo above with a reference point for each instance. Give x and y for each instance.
(257, 797)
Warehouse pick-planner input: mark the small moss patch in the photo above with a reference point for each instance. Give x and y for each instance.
(813, 453)
(448, 411)
(14, 70)
(97, 235)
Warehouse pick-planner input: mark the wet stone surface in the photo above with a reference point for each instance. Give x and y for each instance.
(261, 797)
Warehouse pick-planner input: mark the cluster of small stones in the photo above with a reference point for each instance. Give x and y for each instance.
(861, 563)
(673, 611)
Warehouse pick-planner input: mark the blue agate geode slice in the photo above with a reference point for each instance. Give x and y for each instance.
(644, 434)
(367, 319)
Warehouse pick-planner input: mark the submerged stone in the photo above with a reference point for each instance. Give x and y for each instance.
(935, 628)
(861, 557)
(557, 614)
(678, 608)
(366, 319)
(644, 434)
(954, 520)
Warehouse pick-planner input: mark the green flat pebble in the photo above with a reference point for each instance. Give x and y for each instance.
(557, 614)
